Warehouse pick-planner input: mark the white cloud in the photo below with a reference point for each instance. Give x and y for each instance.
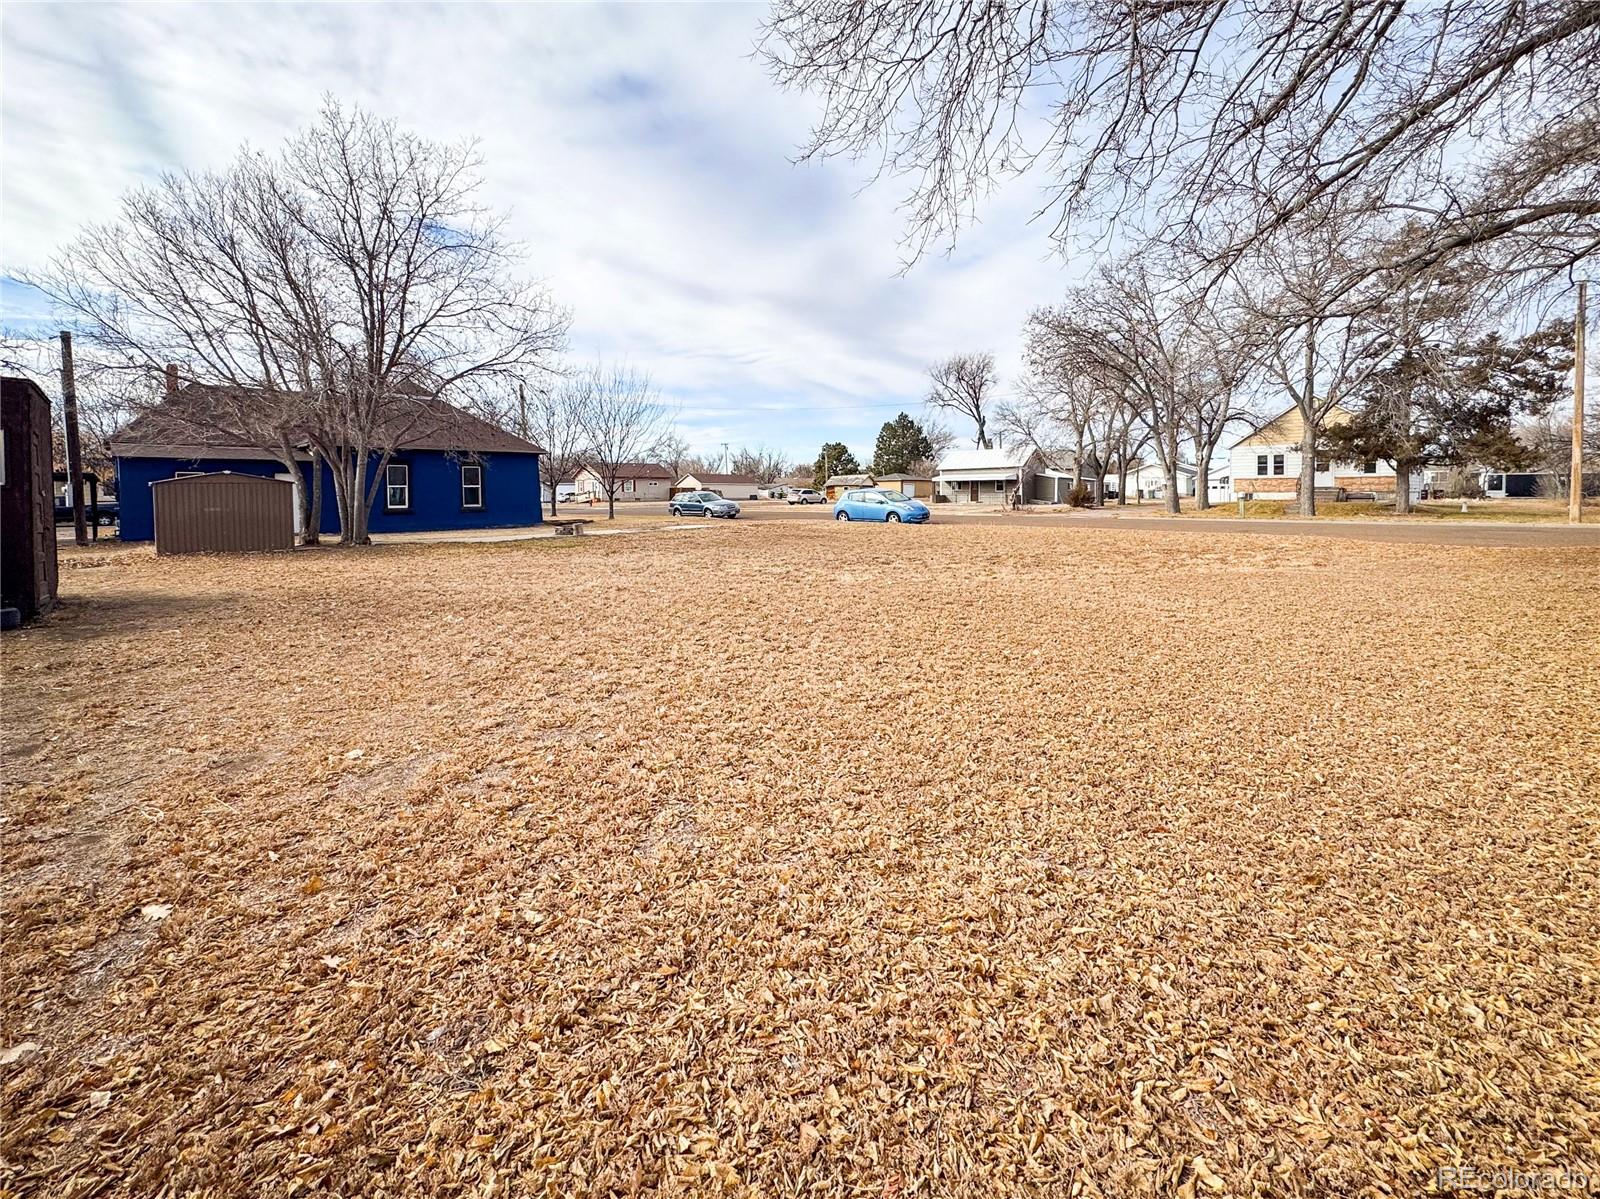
(643, 155)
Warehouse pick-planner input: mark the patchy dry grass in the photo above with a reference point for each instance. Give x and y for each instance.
(804, 859)
(1531, 511)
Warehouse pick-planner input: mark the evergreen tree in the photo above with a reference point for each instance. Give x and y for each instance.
(835, 459)
(1438, 403)
(901, 444)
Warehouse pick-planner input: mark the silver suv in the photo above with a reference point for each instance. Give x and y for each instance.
(804, 495)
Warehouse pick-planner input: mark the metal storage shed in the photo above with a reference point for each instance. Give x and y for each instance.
(223, 514)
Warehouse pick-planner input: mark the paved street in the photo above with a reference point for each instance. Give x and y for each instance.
(1419, 532)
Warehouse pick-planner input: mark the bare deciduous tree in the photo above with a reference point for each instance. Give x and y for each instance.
(550, 416)
(418, 290)
(1128, 339)
(1227, 358)
(1316, 353)
(763, 463)
(622, 418)
(1217, 123)
(107, 396)
(673, 452)
(332, 295)
(967, 385)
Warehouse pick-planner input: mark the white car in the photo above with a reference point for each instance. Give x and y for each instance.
(804, 495)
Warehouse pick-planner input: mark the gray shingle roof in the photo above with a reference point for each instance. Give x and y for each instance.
(205, 417)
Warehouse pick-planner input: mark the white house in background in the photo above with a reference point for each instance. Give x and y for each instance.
(729, 487)
(1148, 481)
(1265, 465)
(635, 481)
(1219, 485)
(563, 492)
(987, 476)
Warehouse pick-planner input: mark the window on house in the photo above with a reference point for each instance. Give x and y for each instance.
(1322, 464)
(1369, 467)
(999, 484)
(1277, 464)
(397, 487)
(1261, 464)
(471, 485)
(186, 474)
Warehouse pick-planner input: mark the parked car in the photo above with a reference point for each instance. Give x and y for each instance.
(107, 512)
(702, 503)
(805, 495)
(880, 503)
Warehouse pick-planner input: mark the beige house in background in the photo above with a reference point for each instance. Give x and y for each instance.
(837, 485)
(729, 487)
(635, 481)
(918, 486)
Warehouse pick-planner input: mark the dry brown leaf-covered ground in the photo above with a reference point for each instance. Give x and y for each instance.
(805, 859)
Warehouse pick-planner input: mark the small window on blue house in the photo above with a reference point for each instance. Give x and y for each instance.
(397, 487)
(471, 485)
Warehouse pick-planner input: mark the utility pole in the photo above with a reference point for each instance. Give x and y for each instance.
(724, 457)
(1575, 487)
(69, 406)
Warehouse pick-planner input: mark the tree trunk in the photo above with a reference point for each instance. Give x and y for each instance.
(1171, 471)
(1308, 468)
(1202, 483)
(611, 500)
(1308, 430)
(367, 494)
(301, 493)
(1402, 467)
(1122, 485)
(339, 472)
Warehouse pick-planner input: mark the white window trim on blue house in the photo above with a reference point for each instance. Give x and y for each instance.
(475, 486)
(402, 488)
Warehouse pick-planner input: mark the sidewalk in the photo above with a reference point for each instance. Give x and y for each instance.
(522, 533)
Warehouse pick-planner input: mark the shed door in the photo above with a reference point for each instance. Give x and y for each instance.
(972, 491)
(299, 524)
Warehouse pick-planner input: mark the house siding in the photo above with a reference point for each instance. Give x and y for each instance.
(921, 489)
(744, 489)
(960, 490)
(511, 494)
(1242, 468)
(588, 483)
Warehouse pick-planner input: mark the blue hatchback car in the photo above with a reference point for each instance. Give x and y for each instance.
(880, 503)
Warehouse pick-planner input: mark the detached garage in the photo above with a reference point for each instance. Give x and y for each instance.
(223, 514)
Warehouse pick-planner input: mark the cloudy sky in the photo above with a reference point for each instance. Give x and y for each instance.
(644, 157)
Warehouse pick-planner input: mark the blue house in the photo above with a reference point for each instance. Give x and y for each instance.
(448, 468)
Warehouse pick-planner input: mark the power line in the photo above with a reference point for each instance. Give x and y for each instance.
(690, 410)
